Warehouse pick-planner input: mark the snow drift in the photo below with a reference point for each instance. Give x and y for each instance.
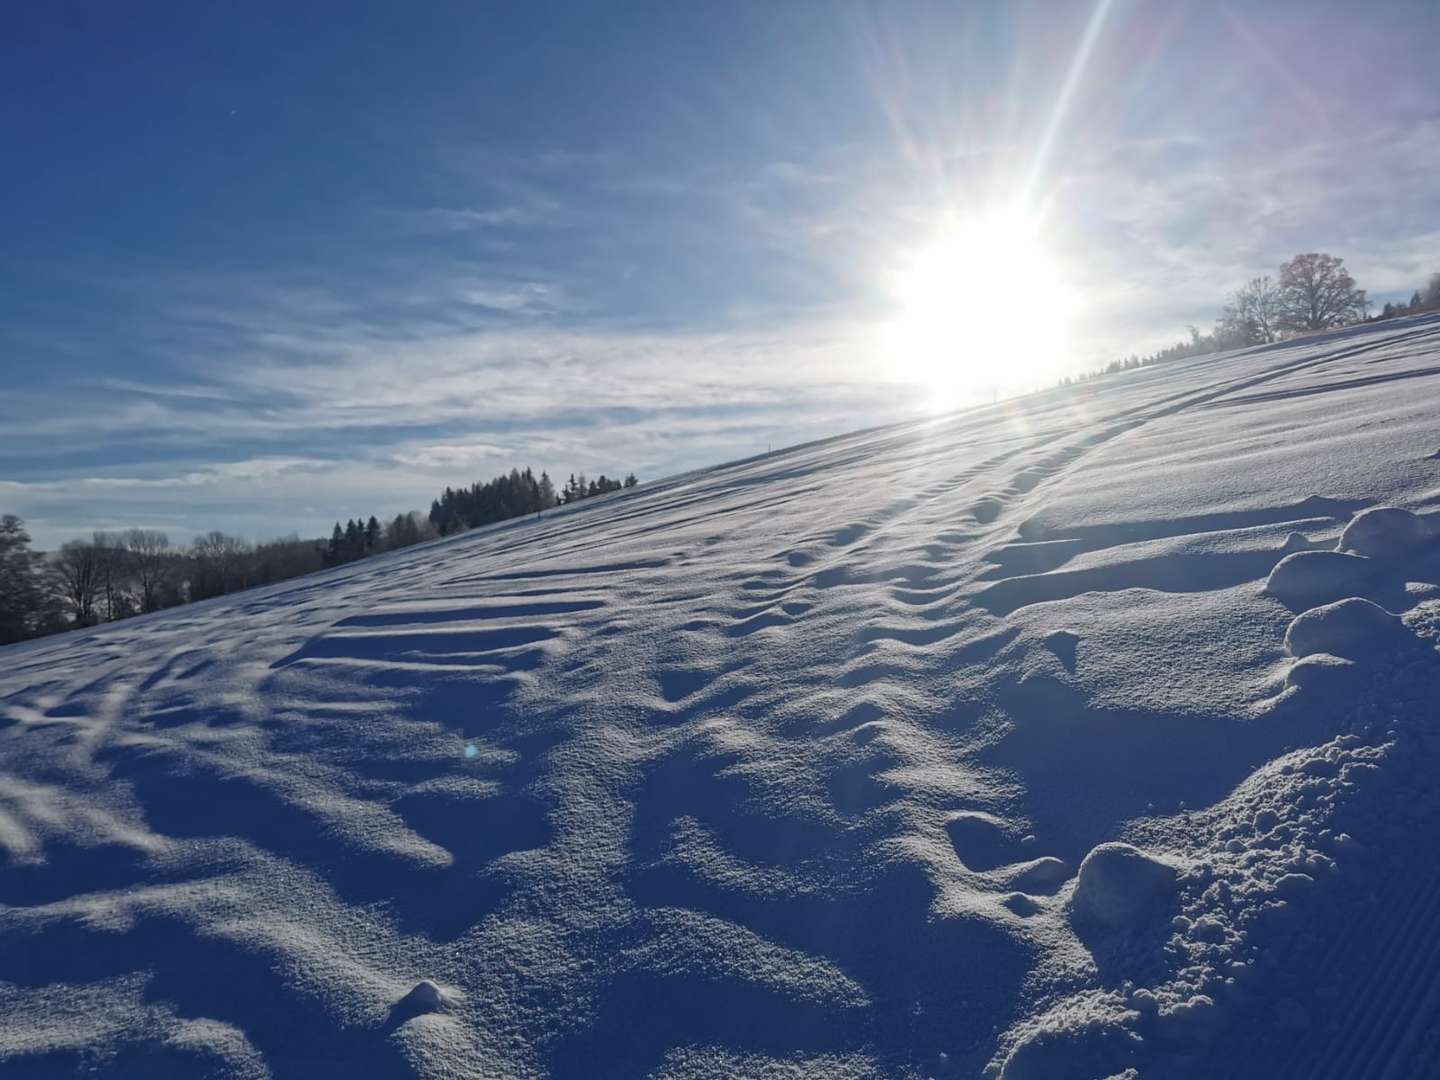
(1089, 735)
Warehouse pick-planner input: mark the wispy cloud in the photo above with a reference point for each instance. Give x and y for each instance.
(253, 469)
(463, 219)
(593, 296)
(333, 410)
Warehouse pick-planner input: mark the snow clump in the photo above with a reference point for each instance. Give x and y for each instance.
(1385, 532)
(1349, 628)
(1316, 577)
(1118, 884)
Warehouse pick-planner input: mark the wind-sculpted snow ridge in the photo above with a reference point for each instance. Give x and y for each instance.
(1090, 735)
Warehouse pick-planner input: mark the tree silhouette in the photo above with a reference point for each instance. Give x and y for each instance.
(1254, 315)
(77, 568)
(150, 562)
(1318, 293)
(21, 590)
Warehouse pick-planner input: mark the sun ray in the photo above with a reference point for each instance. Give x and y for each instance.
(1046, 145)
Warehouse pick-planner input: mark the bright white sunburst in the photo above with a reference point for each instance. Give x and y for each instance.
(983, 308)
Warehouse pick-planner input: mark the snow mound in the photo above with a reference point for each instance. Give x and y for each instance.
(1119, 885)
(1305, 578)
(1350, 628)
(1043, 875)
(425, 997)
(1084, 1049)
(1021, 904)
(1321, 671)
(1385, 532)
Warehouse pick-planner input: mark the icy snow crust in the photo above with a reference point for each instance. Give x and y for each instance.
(1090, 735)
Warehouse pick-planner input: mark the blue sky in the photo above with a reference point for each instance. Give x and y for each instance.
(269, 265)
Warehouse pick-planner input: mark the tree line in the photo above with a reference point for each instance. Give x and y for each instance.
(514, 495)
(1313, 292)
(115, 575)
(361, 537)
(1419, 303)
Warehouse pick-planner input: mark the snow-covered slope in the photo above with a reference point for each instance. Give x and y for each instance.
(1031, 742)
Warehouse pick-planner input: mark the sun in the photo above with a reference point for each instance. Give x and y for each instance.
(983, 308)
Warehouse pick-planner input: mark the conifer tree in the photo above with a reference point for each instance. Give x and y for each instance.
(20, 588)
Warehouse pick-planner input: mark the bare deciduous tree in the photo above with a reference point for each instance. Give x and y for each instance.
(219, 562)
(1255, 314)
(77, 569)
(1318, 293)
(111, 564)
(151, 563)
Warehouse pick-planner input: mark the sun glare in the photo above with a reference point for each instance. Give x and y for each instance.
(982, 309)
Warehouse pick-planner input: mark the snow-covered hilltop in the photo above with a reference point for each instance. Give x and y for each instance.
(1090, 733)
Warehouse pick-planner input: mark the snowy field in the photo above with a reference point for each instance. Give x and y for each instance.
(1090, 735)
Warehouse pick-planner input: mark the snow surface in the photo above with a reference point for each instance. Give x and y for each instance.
(1054, 739)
